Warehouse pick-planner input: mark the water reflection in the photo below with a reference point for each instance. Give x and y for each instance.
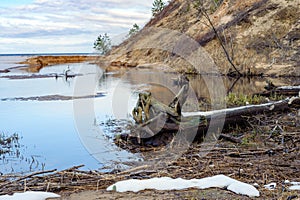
(13, 155)
(163, 86)
(48, 130)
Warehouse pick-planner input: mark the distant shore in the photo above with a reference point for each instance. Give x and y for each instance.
(48, 54)
(36, 63)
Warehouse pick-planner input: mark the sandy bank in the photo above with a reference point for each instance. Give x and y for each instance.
(38, 62)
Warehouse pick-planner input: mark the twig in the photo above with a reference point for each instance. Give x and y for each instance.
(134, 169)
(220, 40)
(28, 176)
(230, 138)
(73, 168)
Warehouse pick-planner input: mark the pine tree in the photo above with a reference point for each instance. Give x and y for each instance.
(135, 28)
(157, 7)
(103, 44)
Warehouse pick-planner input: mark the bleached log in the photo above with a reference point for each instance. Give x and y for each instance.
(243, 110)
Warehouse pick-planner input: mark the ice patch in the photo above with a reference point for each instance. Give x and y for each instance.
(30, 195)
(255, 184)
(270, 186)
(166, 183)
(294, 187)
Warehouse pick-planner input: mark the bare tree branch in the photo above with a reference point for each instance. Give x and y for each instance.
(202, 10)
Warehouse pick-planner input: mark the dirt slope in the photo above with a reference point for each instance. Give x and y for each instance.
(261, 36)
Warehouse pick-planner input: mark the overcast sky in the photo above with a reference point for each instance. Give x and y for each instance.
(58, 26)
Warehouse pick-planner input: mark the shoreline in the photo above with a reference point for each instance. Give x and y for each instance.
(48, 54)
(35, 63)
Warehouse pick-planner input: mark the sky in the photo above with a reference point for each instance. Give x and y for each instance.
(66, 26)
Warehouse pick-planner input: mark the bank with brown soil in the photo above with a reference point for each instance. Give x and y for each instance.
(38, 62)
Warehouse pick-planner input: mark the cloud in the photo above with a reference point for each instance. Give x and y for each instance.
(46, 44)
(59, 25)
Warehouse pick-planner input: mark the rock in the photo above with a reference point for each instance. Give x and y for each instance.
(4, 71)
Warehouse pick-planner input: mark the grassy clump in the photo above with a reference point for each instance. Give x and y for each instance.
(7, 143)
(234, 99)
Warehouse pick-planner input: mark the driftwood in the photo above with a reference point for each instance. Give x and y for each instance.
(230, 138)
(272, 90)
(154, 118)
(71, 179)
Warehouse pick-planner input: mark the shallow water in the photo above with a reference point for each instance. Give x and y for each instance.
(49, 134)
(7, 62)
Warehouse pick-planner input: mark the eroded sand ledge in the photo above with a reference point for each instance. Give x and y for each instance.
(38, 62)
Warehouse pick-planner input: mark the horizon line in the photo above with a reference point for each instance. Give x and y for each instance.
(62, 53)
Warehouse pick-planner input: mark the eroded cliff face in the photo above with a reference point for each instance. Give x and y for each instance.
(260, 36)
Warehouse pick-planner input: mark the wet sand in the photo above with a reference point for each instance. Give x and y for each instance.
(148, 195)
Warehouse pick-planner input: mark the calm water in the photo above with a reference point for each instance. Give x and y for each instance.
(50, 136)
(57, 134)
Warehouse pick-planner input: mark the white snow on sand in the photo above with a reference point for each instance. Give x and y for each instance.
(294, 187)
(295, 183)
(166, 183)
(270, 186)
(30, 195)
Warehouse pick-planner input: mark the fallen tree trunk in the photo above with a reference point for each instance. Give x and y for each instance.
(157, 122)
(236, 116)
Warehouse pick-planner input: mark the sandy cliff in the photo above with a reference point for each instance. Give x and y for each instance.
(261, 37)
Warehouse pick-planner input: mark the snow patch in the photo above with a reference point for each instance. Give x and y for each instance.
(295, 183)
(255, 184)
(30, 195)
(294, 187)
(166, 183)
(271, 186)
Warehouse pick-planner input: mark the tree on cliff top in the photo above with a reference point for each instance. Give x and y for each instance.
(157, 7)
(103, 44)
